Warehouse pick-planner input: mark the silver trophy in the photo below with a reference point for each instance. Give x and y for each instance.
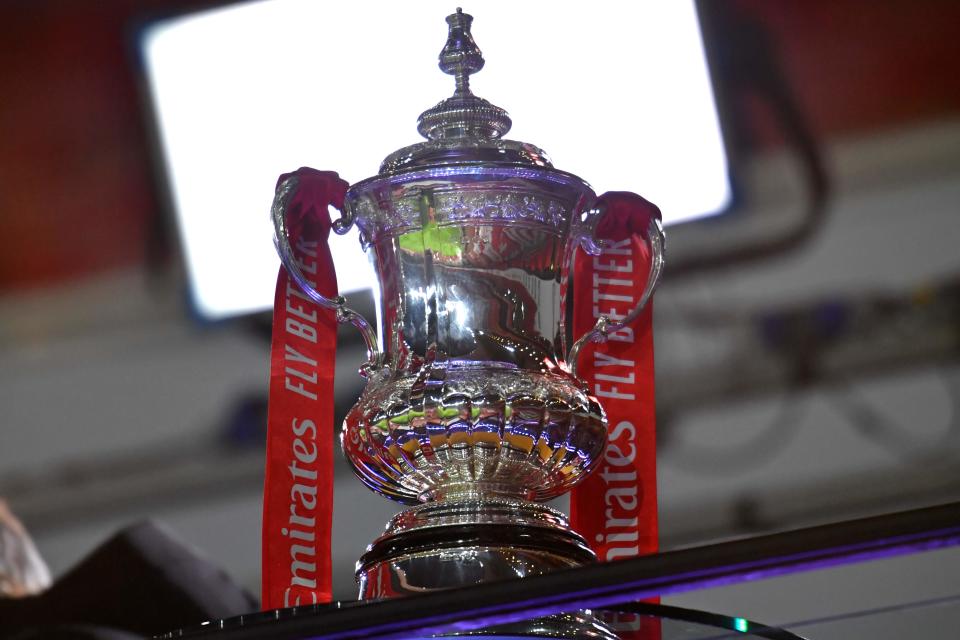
(473, 410)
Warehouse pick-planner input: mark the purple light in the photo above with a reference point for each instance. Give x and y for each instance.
(675, 583)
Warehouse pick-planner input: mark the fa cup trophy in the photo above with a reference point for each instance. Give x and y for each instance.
(473, 410)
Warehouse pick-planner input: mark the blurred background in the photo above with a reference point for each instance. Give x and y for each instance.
(807, 339)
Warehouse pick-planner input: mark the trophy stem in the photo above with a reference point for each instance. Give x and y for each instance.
(472, 491)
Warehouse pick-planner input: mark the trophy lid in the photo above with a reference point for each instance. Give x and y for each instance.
(465, 166)
(463, 127)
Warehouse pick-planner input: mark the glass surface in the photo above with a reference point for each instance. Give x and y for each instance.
(636, 622)
(662, 622)
(936, 618)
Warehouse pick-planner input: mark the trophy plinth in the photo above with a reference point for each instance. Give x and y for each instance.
(451, 543)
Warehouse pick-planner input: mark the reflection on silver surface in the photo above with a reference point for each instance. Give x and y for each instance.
(571, 626)
(470, 406)
(474, 395)
(446, 543)
(449, 543)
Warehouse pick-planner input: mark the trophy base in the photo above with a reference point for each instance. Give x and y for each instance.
(455, 543)
(447, 544)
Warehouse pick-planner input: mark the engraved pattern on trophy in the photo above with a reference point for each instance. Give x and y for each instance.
(521, 205)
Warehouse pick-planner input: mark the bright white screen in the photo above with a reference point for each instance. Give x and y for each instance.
(615, 92)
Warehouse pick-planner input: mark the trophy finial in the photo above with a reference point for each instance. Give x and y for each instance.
(461, 56)
(463, 116)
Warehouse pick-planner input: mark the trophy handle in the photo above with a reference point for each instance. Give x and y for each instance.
(605, 325)
(281, 240)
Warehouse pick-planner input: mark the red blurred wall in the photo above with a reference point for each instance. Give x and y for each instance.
(76, 189)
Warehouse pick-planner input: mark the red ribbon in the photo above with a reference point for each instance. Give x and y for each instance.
(615, 508)
(298, 489)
